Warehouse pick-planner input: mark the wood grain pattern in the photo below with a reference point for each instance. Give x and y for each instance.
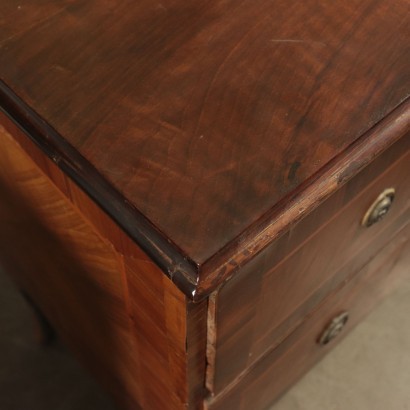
(109, 302)
(197, 344)
(222, 110)
(212, 140)
(272, 294)
(70, 273)
(281, 367)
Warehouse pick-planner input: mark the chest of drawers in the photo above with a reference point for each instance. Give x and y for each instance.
(204, 198)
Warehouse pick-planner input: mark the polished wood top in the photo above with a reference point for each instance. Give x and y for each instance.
(198, 121)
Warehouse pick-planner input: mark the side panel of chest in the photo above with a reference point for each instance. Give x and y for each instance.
(108, 301)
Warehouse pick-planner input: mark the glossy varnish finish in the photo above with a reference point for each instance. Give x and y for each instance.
(182, 183)
(203, 116)
(98, 294)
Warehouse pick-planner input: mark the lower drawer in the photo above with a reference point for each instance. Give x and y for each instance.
(268, 378)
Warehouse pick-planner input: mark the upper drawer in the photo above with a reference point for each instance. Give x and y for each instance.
(276, 290)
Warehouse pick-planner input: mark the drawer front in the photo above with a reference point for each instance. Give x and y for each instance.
(270, 297)
(264, 382)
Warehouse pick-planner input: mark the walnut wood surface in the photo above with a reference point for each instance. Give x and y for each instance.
(109, 302)
(273, 293)
(204, 117)
(264, 382)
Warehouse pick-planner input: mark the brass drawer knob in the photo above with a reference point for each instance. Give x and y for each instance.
(379, 208)
(334, 328)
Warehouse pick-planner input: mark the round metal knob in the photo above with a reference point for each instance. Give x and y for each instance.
(333, 328)
(379, 208)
